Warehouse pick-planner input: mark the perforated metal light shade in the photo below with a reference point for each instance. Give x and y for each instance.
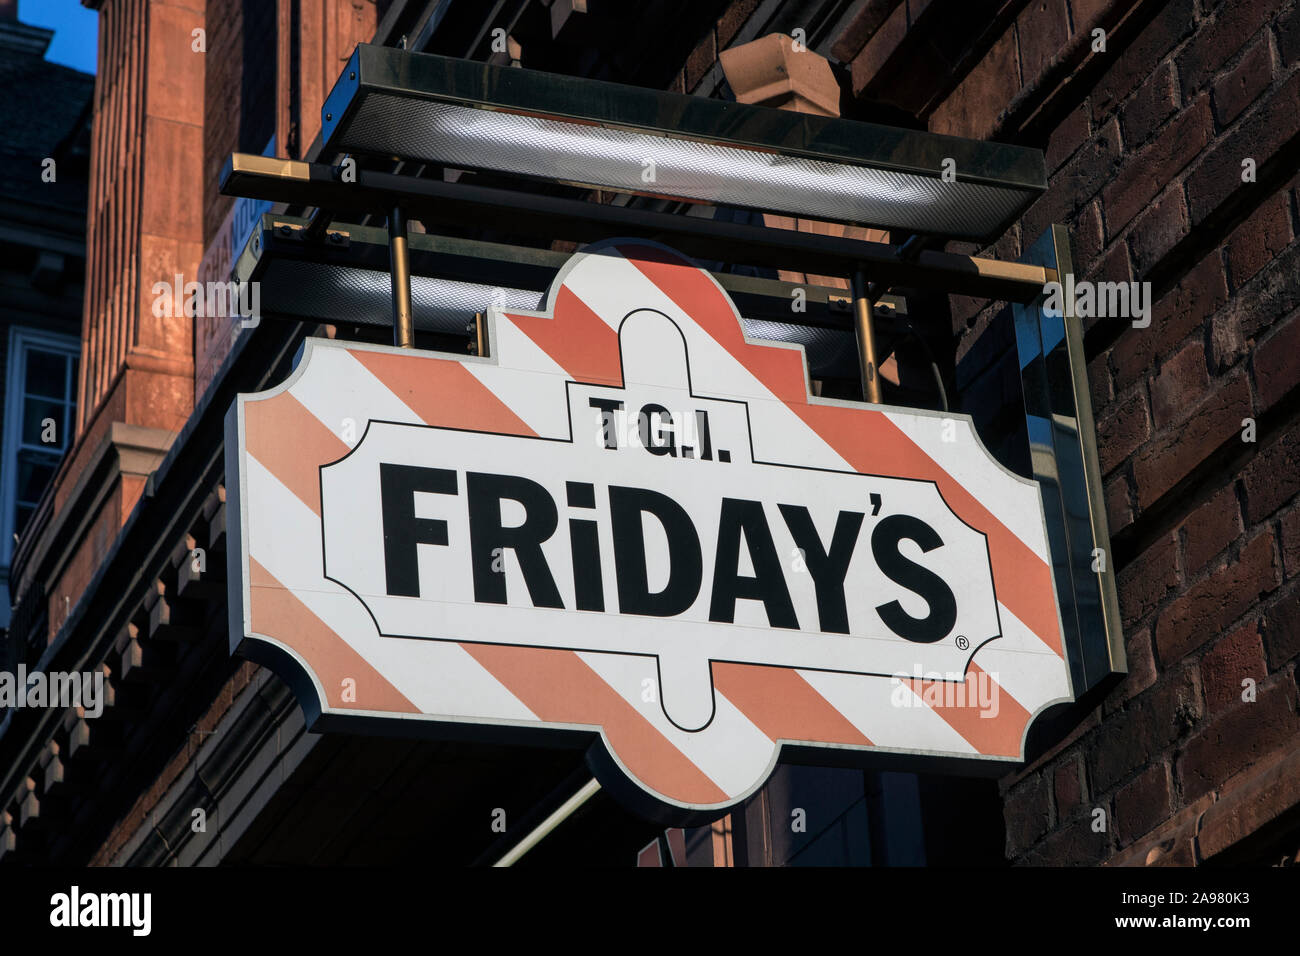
(563, 129)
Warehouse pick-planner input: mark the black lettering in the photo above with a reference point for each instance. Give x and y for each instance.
(402, 529)
(580, 494)
(661, 442)
(827, 570)
(768, 583)
(706, 440)
(609, 426)
(685, 566)
(588, 584)
(488, 537)
(943, 606)
(584, 546)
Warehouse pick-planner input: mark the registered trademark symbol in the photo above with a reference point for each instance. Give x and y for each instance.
(962, 643)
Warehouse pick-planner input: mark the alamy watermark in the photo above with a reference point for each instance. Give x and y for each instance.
(59, 689)
(1116, 300)
(979, 691)
(75, 908)
(242, 300)
(657, 429)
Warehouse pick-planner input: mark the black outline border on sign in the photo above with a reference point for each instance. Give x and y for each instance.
(710, 661)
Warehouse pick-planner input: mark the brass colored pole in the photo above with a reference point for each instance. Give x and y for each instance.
(862, 324)
(403, 326)
(480, 334)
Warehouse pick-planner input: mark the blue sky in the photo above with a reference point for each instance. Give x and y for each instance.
(75, 30)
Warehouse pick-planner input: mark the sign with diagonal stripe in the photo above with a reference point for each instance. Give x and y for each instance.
(634, 528)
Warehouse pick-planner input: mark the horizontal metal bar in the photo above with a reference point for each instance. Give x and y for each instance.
(520, 213)
(284, 237)
(344, 278)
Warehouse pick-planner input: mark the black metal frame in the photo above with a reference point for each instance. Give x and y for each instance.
(342, 276)
(344, 245)
(1063, 458)
(528, 214)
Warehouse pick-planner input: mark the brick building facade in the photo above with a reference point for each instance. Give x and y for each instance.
(1172, 148)
(1147, 146)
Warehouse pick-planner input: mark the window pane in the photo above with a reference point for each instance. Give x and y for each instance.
(35, 469)
(47, 373)
(35, 411)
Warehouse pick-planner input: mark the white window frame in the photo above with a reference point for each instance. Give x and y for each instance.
(21, 338)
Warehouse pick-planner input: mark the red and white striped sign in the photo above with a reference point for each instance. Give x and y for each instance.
(632, 521)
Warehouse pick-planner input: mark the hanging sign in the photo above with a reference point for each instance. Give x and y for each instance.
(633, 526)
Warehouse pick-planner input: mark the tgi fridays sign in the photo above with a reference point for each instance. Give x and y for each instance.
(633, 526)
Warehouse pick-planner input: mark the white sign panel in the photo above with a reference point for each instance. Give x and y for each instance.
(632, 522)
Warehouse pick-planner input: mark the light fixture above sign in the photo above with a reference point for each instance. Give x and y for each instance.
(555, 128)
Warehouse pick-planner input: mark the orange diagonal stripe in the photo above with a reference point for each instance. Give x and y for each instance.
(580, 341)
(696, 294)
(780, 703)
(276, 613)
(558, 686)
(295, 463)
(996, 736)
(442, 392)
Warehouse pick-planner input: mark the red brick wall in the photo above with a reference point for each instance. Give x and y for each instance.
(223, 67)
(1145, 144)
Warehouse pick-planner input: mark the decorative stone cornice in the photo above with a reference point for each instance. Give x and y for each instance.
(123, 450)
